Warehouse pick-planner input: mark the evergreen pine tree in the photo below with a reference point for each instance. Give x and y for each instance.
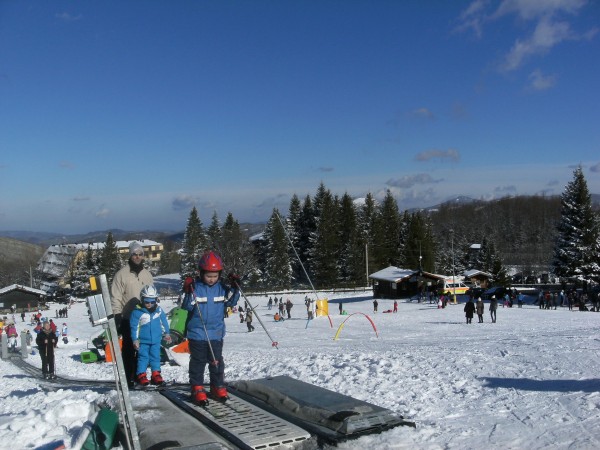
(193, 246)
(351, 253)
(110, 261)
(278, 268)
(236, 250)
(294, 223)
(214, 233)
(366, 223)
(418, 247)
(387, 233)
(324, 257)
(307, 228)
(86, 267)
(170, 262)
(576, 247)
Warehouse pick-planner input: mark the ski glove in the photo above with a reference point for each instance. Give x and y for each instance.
(188, 285)
(136, 344)
(118, 319)
(234, 279)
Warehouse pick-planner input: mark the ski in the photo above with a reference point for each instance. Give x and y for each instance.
(153, 387)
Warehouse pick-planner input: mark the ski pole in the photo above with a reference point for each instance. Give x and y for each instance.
(215, 361)
(273, 342)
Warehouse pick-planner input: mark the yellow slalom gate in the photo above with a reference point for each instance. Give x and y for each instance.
(322, 307)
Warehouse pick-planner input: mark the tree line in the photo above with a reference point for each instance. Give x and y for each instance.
(329, 241)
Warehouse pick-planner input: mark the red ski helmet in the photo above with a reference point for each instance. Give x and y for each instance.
(211, 262)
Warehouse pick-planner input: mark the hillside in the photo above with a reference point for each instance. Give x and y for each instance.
(15, 251)
(17, 258)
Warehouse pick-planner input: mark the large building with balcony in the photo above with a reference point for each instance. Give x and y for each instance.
(59, 261)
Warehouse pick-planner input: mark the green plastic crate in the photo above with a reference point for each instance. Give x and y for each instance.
(88, 357)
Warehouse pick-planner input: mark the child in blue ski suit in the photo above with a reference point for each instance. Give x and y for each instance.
(148, 322)
(207, 299)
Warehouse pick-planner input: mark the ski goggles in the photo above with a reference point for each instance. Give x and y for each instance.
(149, 300)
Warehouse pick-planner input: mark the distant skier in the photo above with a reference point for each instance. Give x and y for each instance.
(469, 309)
(11, 332)
(375, 304)
(288, 308)
(395, 306)
(480, 307)
(64, 333)
(341, 308)
(148, 323)
(249, 321)
(493, 308)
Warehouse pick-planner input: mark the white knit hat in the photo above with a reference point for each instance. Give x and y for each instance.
(135, 247)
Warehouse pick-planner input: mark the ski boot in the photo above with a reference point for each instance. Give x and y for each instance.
(156, 379)
(199, 396)
(142, 379)
(219, 393)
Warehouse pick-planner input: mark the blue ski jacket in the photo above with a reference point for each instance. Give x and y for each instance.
(148, 327)
(212, 301)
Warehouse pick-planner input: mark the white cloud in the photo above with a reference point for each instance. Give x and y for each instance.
(473, 17)
(68, 17)
(423, 113)
(183, 202)
(534, 9)
(102, 213)
(408, 181)
(541, 82)
(500, 190)
(66, 165)
(451, 154)
(549, 30)
(546, 35)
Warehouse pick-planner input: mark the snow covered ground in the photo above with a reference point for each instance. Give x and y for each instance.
(529, 381)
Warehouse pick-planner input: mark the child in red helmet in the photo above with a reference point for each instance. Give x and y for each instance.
(207, 298)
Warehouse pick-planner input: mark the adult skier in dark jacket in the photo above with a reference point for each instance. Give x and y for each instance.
(469, 310)
(46, 341)
(207, 298)
(480, 307)
(493, 308)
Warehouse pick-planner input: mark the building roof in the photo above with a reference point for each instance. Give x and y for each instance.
(474, 272)
(20, 287)
(396, 274)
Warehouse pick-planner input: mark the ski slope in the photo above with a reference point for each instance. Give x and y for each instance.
(528, 381)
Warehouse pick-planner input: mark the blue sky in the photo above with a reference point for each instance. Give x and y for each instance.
(123, 114)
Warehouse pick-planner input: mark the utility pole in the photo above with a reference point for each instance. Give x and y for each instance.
(367, 261)
(453, 276)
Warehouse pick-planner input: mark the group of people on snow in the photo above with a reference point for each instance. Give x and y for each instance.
(478, 307)
(143, 325)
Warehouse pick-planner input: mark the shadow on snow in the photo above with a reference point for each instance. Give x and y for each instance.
(525, 384)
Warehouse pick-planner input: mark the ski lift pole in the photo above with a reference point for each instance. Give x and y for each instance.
(297, 256)
(131, 432)
(274, 343)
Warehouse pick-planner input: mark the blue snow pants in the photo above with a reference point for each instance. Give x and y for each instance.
(148, 354)
(200, 356)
